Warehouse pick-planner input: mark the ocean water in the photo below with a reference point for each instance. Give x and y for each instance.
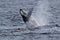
(12, 26)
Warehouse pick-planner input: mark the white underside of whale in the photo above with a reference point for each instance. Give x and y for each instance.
(32, 22)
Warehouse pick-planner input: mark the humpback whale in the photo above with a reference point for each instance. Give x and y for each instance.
(39, 15)
(29, 20)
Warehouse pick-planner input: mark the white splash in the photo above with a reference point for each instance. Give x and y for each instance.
(40, 15)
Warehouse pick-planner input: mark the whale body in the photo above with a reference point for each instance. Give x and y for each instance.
(38, 16)
(28, 19)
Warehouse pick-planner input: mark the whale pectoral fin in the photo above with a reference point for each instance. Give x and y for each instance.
(30, 12)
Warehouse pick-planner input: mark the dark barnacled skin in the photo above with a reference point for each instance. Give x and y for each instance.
(24, 18)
